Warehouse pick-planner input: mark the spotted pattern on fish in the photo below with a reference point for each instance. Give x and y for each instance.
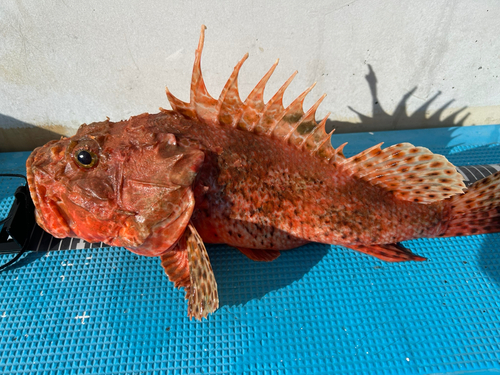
(254, 175)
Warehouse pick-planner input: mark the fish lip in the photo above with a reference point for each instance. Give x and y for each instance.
(30, 176)
(31, 169)
(30, 173)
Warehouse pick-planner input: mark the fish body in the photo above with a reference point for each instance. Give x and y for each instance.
(253, 175)
(256, 192)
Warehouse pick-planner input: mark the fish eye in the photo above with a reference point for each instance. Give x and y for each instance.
(86, 158)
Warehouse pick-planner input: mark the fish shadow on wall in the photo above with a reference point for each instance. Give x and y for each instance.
(381, 120)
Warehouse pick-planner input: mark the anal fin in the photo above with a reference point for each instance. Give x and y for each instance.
(188, 266)
(260, 255)
(388, 252)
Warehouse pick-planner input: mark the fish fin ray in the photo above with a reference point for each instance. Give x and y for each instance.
(230, 105)
(291, 125)
(291, 118)
(186, 109)
(175, 265)
(202, 295)
(412, 173)
(205, 105)
(273, 110)
(187, 265)
(260, 255)
(254, 103)
(387, 252)
(477, 211)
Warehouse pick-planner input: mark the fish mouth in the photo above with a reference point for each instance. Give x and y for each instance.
(48, 213)
(30, 175)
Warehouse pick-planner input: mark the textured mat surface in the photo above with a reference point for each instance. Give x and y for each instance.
(316, 309)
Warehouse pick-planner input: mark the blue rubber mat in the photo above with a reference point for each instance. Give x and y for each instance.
(317, 309)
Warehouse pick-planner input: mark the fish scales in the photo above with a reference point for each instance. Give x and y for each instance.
(262, 181)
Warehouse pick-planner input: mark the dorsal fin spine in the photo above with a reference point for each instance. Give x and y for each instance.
(290, 125)
(230, 93)
(257, 94)
(180, 106)
(327, 138)
(340, 150)
(277, 101)
(231, 82)
(311, 114)
(321, 125)
(298, 102)
(318, 140)
(197, 75)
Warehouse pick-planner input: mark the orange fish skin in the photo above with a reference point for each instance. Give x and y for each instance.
(257, 192)
(250, 191)
(137, 195)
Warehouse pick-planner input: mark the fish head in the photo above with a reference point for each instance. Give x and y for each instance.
(117, 183)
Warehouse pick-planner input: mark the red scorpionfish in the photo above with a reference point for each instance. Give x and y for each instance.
(253, 175)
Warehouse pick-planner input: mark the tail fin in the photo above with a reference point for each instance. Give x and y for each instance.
(477, 211)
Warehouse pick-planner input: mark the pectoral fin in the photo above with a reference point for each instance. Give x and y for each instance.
(188, 266)
(388, 252)
(175, 264)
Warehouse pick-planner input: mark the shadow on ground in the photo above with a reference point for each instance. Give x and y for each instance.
(16, 135)
(241, 280)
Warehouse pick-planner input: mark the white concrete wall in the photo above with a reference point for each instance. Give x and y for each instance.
(64, 62)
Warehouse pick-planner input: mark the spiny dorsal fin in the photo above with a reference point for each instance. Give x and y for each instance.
(290, 124)
(413, 173)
